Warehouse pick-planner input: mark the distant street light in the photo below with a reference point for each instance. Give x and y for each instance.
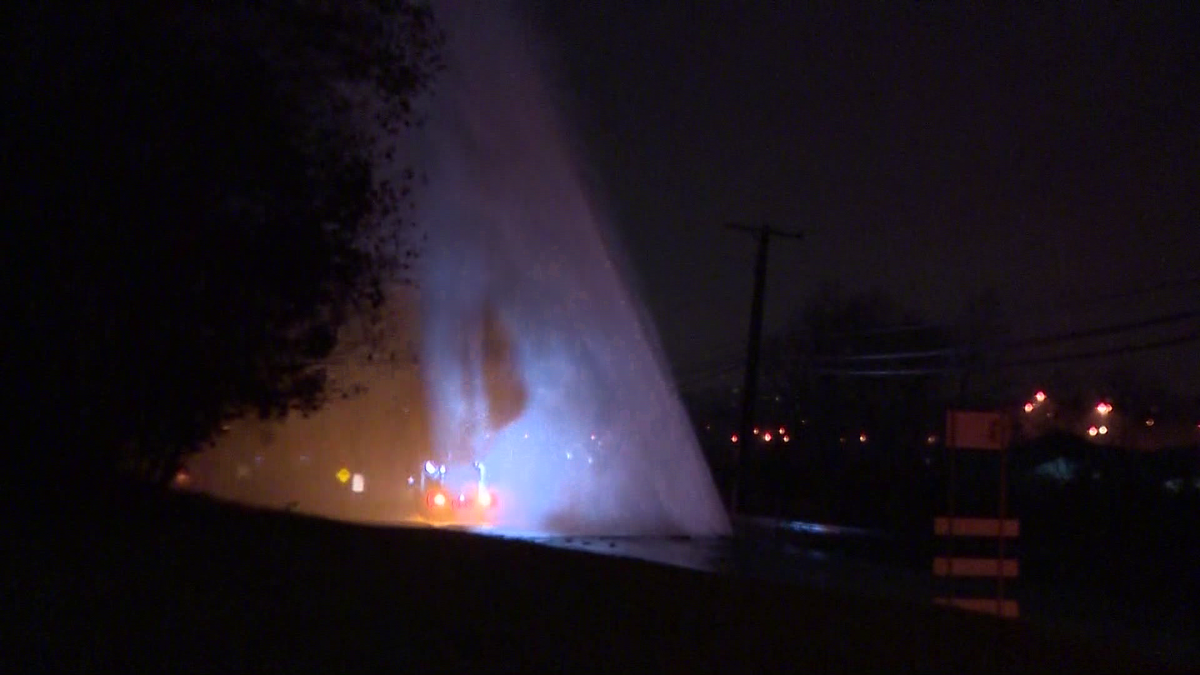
(1040, 396)
(1103, 430)
(1103, 408)
(1028, 407)
(1092, 431)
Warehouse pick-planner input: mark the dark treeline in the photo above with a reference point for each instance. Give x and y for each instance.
(1119, 511)
(192, 211)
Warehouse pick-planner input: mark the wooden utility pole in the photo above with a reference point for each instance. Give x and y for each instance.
(753, 347)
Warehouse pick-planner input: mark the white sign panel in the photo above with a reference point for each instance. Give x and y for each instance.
(976, 430)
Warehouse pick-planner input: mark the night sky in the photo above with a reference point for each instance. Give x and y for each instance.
(928, 150)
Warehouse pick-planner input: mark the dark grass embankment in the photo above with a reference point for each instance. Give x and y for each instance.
(181, 584)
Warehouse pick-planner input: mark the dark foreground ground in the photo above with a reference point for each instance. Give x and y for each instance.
(180, 584)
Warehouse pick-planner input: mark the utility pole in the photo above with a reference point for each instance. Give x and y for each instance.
(753, 347)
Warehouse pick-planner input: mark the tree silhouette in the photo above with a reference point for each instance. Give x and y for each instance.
(196, 211)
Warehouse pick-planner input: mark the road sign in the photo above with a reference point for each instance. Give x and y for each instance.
(990, 432)
(343, 475)
(977, 430)
(977, 527)
(974, 567)
(1007, 609)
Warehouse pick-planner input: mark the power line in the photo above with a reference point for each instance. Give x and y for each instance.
(1164, 343)
(905, 372)
(1108, 297)
(1057, 307)
(1127, 349)
(828, 366)
(1110, 330)
(1068, 336)
(894, 356)
(890, 330)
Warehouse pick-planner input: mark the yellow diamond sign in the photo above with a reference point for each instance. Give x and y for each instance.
(343, 475)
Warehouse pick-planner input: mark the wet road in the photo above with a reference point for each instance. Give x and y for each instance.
(872, 564)
(866, 564)
(753, 557)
